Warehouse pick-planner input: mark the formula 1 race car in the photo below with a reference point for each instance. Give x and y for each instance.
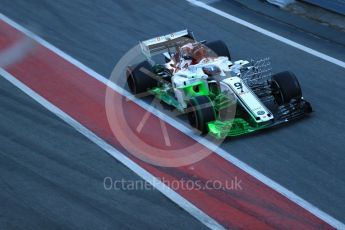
(221, 97)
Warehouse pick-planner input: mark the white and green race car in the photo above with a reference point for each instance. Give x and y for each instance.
(221, 97)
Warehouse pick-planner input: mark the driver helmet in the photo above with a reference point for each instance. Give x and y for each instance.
(186, 51)
(199, 52)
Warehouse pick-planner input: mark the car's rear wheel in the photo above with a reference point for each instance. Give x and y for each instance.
(285, 87)
(138, 80)
(219, 47)
(200, 112)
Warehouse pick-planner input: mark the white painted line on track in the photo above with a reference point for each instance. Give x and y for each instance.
(268, 33)
(180, 126)
(156, 183)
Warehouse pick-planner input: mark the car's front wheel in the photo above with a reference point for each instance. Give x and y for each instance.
(200, 112)
(285, 87)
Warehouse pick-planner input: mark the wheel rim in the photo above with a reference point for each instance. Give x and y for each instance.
(130, 82)
(192, 117)
(277, 93)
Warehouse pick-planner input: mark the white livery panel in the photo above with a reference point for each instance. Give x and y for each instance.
(249, 100)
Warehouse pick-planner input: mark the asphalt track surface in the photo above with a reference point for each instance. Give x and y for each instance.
(307, 157)
(49, 182)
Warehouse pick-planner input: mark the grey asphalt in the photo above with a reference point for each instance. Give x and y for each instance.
(307, 156)
(52, 177)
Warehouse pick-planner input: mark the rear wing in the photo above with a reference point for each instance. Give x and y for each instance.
(158, 44)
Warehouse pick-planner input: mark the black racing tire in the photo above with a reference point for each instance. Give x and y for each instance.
(219, 47)
(201, 111)
(138, 81)
(285, 87)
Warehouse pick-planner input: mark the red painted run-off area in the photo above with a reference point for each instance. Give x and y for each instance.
(255, 206)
